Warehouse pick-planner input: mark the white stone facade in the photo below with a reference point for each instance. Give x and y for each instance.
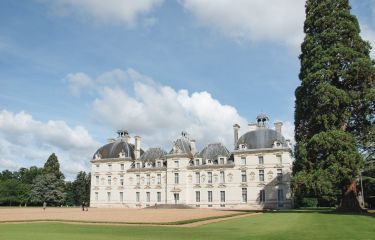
(255, 175)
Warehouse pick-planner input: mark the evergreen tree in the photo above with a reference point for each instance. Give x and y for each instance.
(52, 166)
(82, 188)
(48, 188)
(334, 115)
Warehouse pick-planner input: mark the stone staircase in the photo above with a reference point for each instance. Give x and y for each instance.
(170, 206)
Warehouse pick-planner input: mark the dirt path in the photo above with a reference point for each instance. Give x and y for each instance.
(111, 215)
(188, 225)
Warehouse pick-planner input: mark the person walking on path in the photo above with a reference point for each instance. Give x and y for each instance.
(44, 206)
(83, 206)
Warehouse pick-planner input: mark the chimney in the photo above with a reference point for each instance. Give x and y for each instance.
(137, 147)
(192, 146)
(278, 126)
(236, 129)
(252, 126)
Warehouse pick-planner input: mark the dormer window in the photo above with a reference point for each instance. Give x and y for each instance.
(243, 146)
(98, 156)
(138, 165)
(121, 154)
(221, 160)
(277, 144)
(159, 164)
(197, 162)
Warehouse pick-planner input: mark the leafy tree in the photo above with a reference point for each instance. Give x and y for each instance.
(334, 115)
(12, 192)
(47, 188)
(82, 188)
(27, 175)
(52, 166)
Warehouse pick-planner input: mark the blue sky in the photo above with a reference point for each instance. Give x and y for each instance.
(72, 72)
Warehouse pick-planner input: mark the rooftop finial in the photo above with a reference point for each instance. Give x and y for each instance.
(262, 120)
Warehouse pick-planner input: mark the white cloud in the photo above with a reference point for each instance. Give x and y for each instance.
(159, 113)
(254, 20)
(78, 81)
(368, 34)
(25, 141)
(125, 12)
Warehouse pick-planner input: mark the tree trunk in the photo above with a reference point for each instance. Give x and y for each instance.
(349, 201)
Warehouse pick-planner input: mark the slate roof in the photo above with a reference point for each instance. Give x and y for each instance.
(112, 150)
(261, 138)
(213, 150)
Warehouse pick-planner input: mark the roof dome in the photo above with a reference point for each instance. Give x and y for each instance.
(183, 145)
(152, 154)
(114, 149)
(213, 150)
(261, 138)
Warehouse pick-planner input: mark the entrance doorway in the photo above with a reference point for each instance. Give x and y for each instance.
(176, 198)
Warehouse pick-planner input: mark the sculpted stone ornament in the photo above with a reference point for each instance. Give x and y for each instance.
(190, 178)
(230, 177)
(215, 178)
(252, 176)
(270, 175)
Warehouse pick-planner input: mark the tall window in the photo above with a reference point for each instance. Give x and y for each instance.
(261, 175)
(108, 196)
(280, 197)
(122, 180)
(148, 179)
(138, 165)
(97, 180)
(244, 195)
(261, 160)
(122, 166)
(262, 195)
(109, 180)
(176, 179)
(222, 196)
(158, 195)
(137, 197)
(138, 179)
(148, 198)
(209, 196)
(243, 160)
(279, 174)
(222, 177)
(159, 178)
(197, 196)
(221, 160)
(121, 196)
(176, 164)
(109, 167)
(279, 159)
(96, 196)
(209, 177)
(197, 178)
(243, 176)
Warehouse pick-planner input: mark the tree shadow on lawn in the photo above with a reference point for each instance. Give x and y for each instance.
(308, 210)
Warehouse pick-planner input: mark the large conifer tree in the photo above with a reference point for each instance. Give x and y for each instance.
(334, 115)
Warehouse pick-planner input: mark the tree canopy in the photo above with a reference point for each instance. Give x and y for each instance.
(334, 113)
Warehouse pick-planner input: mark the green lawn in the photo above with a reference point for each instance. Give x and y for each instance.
(284, 225)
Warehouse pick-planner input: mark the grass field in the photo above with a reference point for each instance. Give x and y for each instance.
(283, 225)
